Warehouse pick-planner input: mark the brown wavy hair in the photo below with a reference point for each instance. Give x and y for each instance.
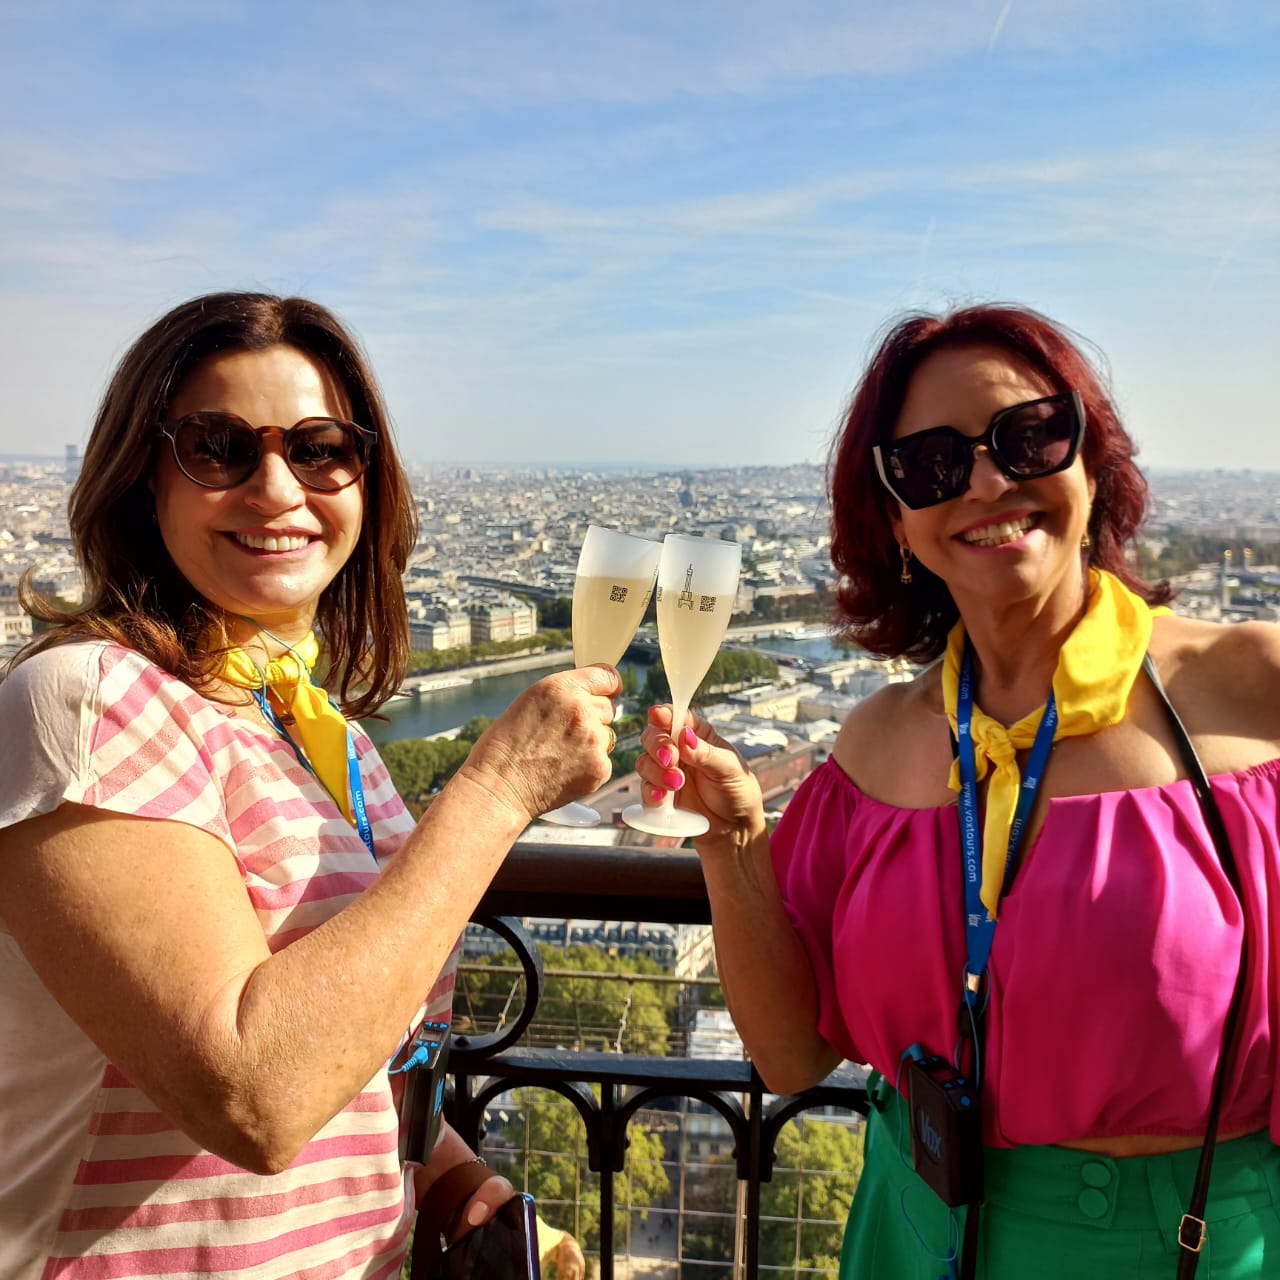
(134, 594)
(890, 618)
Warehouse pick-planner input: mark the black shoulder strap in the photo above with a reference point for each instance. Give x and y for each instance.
(1192, 1231)
(1196, 775)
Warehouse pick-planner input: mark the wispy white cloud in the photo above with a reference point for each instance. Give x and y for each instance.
(618, 52)
(327, 61)
(1194, 199)
(998, 26)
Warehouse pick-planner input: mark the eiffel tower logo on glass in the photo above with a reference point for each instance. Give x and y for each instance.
(686, 596)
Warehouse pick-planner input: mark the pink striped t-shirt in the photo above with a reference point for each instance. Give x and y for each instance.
(95, 1182)
(1113, 964)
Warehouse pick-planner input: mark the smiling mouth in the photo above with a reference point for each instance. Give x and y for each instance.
(996, 535)
(272, 542)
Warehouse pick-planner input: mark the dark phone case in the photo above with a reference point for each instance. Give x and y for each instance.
(504, 1248)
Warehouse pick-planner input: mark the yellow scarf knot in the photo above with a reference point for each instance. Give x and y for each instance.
(321, 727)
(1097, 666)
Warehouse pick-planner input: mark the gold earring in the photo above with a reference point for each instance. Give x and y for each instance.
(1086, 542)
(905, 552)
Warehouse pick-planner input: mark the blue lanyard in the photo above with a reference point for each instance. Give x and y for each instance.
(980, 928)
(356, 783)
(363, 826)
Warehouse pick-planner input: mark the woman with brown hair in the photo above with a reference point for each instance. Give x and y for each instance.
(1002, 891)
(221, 930)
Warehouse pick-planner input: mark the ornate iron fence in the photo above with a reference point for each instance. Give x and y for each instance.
(608, 1089)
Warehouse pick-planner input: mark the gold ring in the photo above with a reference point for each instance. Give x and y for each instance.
(613, 742)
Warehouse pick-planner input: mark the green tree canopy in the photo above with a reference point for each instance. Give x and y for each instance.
(471, 731)
(625, 726)
(818, 605)
(624, 759)
(803, 1208)
(425, 661)
(557, 613)
(584, 1010)
(1181, 551)
(730, 668)
(542, 1148)
(421, 766)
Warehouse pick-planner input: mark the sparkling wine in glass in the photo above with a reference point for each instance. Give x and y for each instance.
(610, 594)
(697, 583)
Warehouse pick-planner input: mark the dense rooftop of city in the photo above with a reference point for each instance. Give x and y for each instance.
(526, 525)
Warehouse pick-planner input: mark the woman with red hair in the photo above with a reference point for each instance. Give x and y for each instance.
(1005, 890)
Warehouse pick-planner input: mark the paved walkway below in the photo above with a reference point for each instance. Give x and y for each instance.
(502, 666)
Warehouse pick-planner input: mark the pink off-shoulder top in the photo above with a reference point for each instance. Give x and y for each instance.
(1113, 964)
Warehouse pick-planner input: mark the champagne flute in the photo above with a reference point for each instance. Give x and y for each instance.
(610, 594)
(697, 583)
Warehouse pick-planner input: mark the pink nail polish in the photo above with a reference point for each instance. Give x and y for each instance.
(690, 738)
(656, 795)
(664, 757)
(673, 779)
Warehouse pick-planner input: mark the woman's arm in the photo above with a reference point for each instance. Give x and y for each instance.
(764, 969)
(143, 933)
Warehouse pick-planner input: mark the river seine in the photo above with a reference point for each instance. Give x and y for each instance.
(424, 714)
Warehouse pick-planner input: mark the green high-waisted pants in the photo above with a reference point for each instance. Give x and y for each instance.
(1055, 1214)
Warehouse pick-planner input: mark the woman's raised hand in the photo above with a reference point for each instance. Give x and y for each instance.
(707, 774)
(552, 744)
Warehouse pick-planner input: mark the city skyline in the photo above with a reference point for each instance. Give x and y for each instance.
(584, 234)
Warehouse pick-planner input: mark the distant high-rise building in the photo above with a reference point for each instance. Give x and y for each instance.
(71, 468)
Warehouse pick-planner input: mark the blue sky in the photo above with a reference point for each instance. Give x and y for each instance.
(661, 232)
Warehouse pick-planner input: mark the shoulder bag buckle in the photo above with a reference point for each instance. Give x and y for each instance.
(1192, 1233)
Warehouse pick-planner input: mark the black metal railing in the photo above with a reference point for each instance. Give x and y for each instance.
(608, 1089)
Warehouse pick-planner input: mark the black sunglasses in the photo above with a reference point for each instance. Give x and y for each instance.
(220, 450)
(1026, 441)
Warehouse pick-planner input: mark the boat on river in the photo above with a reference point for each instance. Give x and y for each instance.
(808, 631)
(433, 684)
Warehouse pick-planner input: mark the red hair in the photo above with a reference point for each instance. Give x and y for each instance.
(890, 618)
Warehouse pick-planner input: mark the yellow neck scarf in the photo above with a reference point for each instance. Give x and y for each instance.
(320, 725)
(1096, 669)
